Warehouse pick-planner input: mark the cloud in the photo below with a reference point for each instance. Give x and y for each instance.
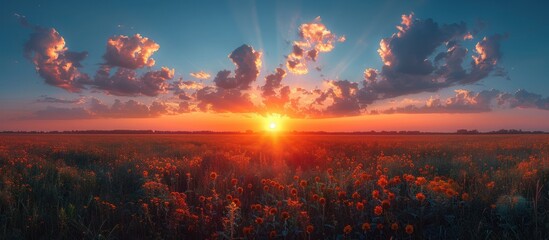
(275, 102)
(97, 109)
(130, 52)
(125, 82)
(57, 113)
(200, 75)
(58, 66)
(47, 99)
(248, 64)
(340, 99)
(413, 64)
(126, 55)
(314, 38)
(466, 101)
(224, 100)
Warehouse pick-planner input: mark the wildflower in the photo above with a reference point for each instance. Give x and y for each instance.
(272, 234)
(375, 194)
(360, 206)
(303, 183)
(322, 200)
(378, 210)
(355, 195)
(265, 188)
(382, 182)
(145, 173)
(240, 190)
(341, 194)
(465, 196)
(234, 181)
(409, 229)
(273, 211)
(317, 179)
(420, 181)
(285, 215)
(250, 186)
(259, 220)
(420, 197)
(201, 198)
(236, 201)
(347, 230)
(247, 230)
(385, 204)
(490, 185)
(315, 197)
(309, 229)
(379, 226)
(213, 175)
(293, 192)
(391, 196)
(366, 227)
(394, 226)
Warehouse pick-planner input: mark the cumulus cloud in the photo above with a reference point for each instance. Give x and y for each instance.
(126, 55)
(340, 99)
(224, 100)
(58, 66)
(275, 95)
(247, 62)
(413, 64)
(314, 38)
(125, 82)
(200, 75)
(130, 52)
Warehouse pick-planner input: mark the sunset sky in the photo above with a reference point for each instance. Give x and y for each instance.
(304, 65)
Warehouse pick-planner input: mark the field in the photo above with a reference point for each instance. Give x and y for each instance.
(254, 186)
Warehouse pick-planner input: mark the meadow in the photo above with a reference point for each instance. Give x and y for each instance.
(274, 186)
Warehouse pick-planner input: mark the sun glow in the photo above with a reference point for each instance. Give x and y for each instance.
(273, 123)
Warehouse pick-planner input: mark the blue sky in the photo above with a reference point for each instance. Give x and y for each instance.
(199, 35)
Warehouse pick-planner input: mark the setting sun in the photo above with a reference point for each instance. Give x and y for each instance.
(272, 126)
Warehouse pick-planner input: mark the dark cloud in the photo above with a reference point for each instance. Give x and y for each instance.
(57, 113)
(466, 101)
(125, 82)
(47, 99)
(224, 100)
(248, 64)
(341, 97)
(53, 61)
(407, 65)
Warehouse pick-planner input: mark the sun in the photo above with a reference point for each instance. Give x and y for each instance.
(273, 123)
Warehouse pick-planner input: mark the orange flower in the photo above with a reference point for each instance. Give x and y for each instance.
(375, 194)
(240, 190)
(366, 226)
(420, 197)
(385, 204)
(259, 220)
(409, 229)
(293, 191)
(310, 229)
(201, 198)
(236, 201)
(285, 215)
(273, 211)
(272, 234)
(420, 181)
(315, 197)
(213, 175)
(394, 226)
(360, 206)
(234, 181)
(465, 196)
(378, 210)
(379, 226)
(347, 230)
(322, 200)
(355, 195)
(303, 183)
(229, 197)
(491, 185)
(247, 230)
(317, 179)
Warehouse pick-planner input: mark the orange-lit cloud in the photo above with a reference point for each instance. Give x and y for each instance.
(130, 52)
(315, 38)
(200, 75)
(53, 61)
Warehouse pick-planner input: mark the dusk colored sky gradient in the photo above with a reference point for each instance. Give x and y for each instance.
(307, 65)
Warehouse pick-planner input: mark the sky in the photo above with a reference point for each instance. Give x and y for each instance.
(302, 65)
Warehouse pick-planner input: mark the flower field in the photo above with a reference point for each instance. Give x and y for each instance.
(274, 186)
